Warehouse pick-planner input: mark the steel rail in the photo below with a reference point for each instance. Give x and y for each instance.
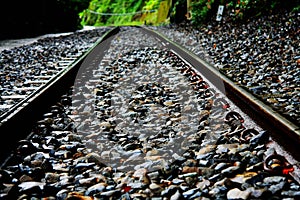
(283, 131)
(288, 133)
(30, 108)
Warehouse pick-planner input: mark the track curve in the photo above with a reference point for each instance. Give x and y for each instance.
(168, 121)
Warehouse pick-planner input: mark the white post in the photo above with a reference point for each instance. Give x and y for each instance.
(220, 13)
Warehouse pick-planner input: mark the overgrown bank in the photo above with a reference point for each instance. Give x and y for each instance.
(22, 19)
(132, 12)
(156, 12)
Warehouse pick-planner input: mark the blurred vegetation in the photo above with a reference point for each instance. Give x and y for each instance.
(130, 12)
(30, 18)
(155, 12)
(239, 10)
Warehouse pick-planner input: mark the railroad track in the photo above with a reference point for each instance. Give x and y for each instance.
(36, 91)
(153, 120)
(27, 68)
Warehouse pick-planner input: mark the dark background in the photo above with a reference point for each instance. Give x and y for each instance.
(30, 18)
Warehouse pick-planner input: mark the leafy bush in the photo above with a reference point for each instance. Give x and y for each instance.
(201, 10)
(120, 12)
(204, 10)
(178, 11)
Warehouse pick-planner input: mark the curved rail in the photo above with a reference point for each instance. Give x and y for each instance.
(48, 95)
(285, 132)
(30, 108)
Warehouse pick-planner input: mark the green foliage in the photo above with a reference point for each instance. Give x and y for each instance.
(150, 5)
(178, 11)
(120, 12)
(243, 9)
(175, 10)
(203, 10)
(200, 11)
